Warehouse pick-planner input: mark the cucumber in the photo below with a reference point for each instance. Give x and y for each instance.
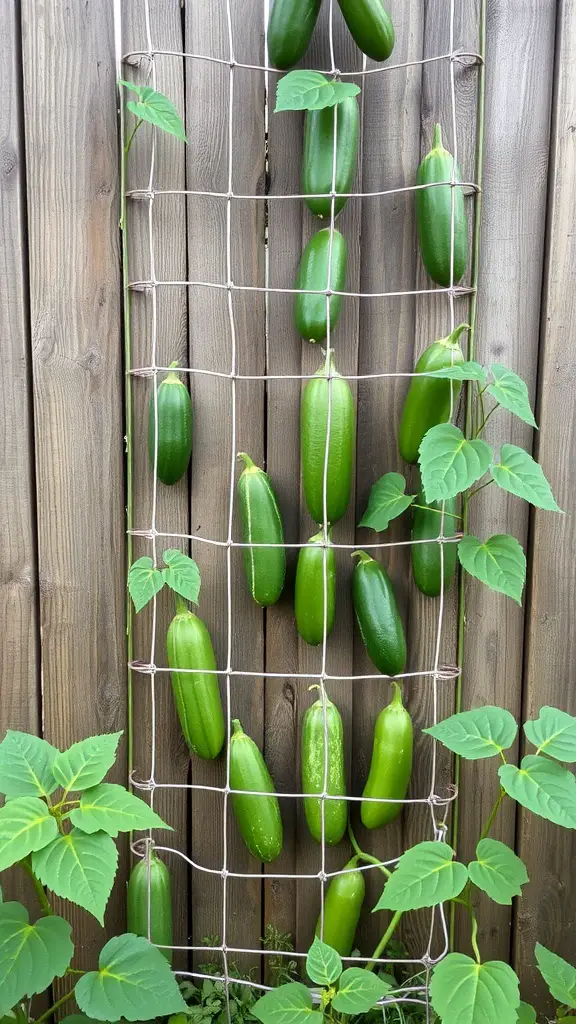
(342, 907)
(309, 590)
(434, 215)
(261, 524)
(258, 817)
(196, 693)
(311, 311)
(174, 429)
(318, 155)
(313, 434)
(313, 743)
(290, 28)
(426, 565)
(160, 903)
(391, 764)
(428, 399)
(370, 27)
(377, 615)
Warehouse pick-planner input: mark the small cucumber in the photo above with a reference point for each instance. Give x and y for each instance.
(196, 693)
(311, 311)
(434, 216)
(174, 429)
(426, 558)
(370, 27)
(261, 524)
(160, 902)
(290, 28)
(258, 817)
(313, 434)
(391, 764)
(377, 615)
(318, 155)
(313, 745)
(342, 908)
(309, 590)
(428, 399)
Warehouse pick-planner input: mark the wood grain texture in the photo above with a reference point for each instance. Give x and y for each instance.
(72, 163)
(546, 912)
(512, 249)
(173, 504)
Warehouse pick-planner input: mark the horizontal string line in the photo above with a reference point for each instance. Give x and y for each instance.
(444, 673)
(150, 193)
(142, 286)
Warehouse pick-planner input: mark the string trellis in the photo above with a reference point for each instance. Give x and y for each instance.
(438, 806)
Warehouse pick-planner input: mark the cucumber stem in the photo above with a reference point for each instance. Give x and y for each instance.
(453, 339)
(237, 729)
(181, 606)
(397, 698)
(362, 557)
(437, 139)
(173, 365)
(246, 460)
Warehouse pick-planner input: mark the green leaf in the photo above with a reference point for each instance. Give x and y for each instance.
(482, 732)
(558, 974)
(460, 371)
(25, 825)
(310, 90)
(134, 981)
(144, 580)
(465, 992)
(526, 1014)
(155, 108)
(26, 765)
(424, 876)
(510, 391)
(449, 463)
(288, 1004)
(498, 871)
(86, 763)
(358, 991)
(81, 868)
(543, 787)
(499, 562)
(323, 964)
(518, 473)
(112, 809)
(387, 501)
(182, 574)
(31, 955)
(554, 733)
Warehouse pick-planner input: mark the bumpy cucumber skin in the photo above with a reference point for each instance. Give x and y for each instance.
(313, 431)
(335, 811)
(318, 155)
(309, 590)
(434, 213)
(370, 27)
(391, 764)
(160, 903)
(261, 524)
(290, 29)
(426, 563)
(342, 907)
(175, 422)
(428, 399)
(258, 817)
(196, 694)
(310, 311)
(378, 616)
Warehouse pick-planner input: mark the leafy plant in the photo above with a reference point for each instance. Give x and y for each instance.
(311, 90)
(181, 574)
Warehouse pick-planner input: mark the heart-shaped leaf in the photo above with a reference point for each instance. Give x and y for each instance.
(499, 562)
(25, 825)
(359, 990)
(511, 392)
(26, 765)
(498, 871)
(323, 964)
(134, 981)
(465, 992)
(144, 581)
(424, 876)
(86, 763)
(311, 90)
(31, 955)
(110, 808)
(482, 732)
(387, 501)
(558, 974)
(554, 733)
(543, 787)
(518, 473)
(80, 868)
(288, 1004)
(460, 371)
(182, 574)
(449, 463)
(155, 108)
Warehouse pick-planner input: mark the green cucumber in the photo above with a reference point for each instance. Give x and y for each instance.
(314, 733)
(196, 693)
(434, 213)
(342, 907)
(370, 27)
(318, 155)
(157, 875)
(313, 435)
(426, 558)
(258, 817)
(261, 524)
(311, 311)
(174, 412)
(290, 28)
(377, 615)
(391, 764)
(428, 402)
(309, 590)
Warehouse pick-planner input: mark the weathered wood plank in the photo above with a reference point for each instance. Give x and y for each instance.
(72, 162)
(546, 911)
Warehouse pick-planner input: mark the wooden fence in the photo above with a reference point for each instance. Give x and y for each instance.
(62, 413)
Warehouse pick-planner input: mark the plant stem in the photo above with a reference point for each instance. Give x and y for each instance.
(42, 897)
(367, 857)
(485, 418)
(474, 935)
(493, 813)
(20, 1015)
(72, 970)
(56, 1006)
(481, 488)
(426, 508)
(384, 940)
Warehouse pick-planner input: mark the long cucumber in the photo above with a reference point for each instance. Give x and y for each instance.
(313, 564)
(311, 310)
(327, 390)
(196, 691)
(258, 817)
(377, 615)
(318, 155)
(315, 731)
(261, 524)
